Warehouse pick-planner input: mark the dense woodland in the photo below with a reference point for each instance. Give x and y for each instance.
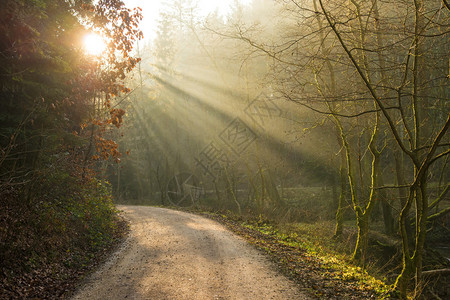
(317, 112)
(56, 112)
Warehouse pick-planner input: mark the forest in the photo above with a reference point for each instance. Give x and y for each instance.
(321, 123)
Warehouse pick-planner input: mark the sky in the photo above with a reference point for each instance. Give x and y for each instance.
(151, 9)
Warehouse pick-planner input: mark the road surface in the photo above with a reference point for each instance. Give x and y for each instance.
(176, 255)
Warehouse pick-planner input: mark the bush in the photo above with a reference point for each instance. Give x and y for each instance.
(58, 223)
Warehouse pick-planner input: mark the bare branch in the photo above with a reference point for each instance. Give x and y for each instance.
(391, 187)
(368, 85)
(441, 196)
(429, 158)
(334, 113)
(436, 272)
(440, 155)
(439, 214)
(446, 4)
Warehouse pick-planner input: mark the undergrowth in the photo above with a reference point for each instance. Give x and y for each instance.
(52, 233)
(329, 253)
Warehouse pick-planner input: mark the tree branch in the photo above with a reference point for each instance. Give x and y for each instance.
(334, 113)
(439, 214)
(440, 155)
(441, 196)
(391, 187)
(368, 85)
(429, 158)
(436, 272)
(446, 4)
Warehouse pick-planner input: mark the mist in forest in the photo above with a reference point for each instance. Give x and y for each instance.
(204, 103)
(302, 111)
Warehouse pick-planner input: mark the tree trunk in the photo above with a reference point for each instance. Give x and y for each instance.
(386, 209)
(340, 210)
(362, 216)
(402, 281)
(231, 190)
(362, 241)
(402, 194)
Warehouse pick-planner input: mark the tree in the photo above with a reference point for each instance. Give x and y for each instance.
(45, 72)
(423, 149)
(50, 194)
(398, 99)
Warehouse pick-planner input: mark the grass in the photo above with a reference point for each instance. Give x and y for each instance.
(332, 255)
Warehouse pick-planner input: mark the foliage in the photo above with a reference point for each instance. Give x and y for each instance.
(57, 115)
(66, 228)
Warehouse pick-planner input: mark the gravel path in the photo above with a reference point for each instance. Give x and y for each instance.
(176, 255)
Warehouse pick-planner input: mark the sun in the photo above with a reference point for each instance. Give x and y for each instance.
(94, 44)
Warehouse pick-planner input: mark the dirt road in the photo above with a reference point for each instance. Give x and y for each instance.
(176, 255)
